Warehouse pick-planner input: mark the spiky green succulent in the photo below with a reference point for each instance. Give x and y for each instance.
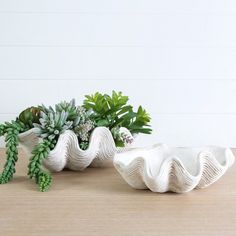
(52, 124)
(70, 108)
(65, 116)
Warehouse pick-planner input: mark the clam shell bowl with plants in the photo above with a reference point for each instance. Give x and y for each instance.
(71, 136)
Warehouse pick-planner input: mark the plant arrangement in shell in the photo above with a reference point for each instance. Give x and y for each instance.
(49, 123)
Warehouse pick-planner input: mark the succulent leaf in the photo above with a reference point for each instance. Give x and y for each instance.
(11, 131)
(113, 112)
(29, 116)
(35, 170)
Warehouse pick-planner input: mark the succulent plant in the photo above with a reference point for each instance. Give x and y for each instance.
(68, 107)
(2, 129)
(29, 116)
(113, 112)
(84, 127)
(52, 124)
(11, 131)
(35, 170)
(82, 130)
(121, 138)
(49, 123)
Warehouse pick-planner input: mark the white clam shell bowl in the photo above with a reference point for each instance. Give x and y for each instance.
(67, 153)
(161, 168)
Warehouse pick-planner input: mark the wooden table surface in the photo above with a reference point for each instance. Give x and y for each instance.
(99, 202)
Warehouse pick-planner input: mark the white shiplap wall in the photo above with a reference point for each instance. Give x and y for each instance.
(176, 58)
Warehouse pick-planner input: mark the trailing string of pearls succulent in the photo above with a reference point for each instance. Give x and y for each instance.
(52, 123)
(49, 123)
(11, 131)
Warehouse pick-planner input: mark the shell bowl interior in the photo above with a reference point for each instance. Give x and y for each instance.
(161, 168)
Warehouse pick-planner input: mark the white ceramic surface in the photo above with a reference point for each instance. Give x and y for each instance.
(67, 153)
(161, 168)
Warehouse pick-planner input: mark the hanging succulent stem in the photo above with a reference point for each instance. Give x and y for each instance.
(2, 129)
(35, 169)
(11, 131)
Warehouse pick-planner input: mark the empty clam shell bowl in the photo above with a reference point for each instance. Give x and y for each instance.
(161, 168)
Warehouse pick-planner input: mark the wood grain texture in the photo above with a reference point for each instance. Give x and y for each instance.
(99, 202)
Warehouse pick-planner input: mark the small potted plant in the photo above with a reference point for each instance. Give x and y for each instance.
(70, 136)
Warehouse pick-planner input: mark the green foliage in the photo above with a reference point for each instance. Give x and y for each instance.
(29, 116)
(113, 112)
(83, 128)
(70, 108)
(65, 116)
(52, 124)
(35, 170)
(137, 122)
(11, 130)
(120, 137)
(97, 110)
(2, 129)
